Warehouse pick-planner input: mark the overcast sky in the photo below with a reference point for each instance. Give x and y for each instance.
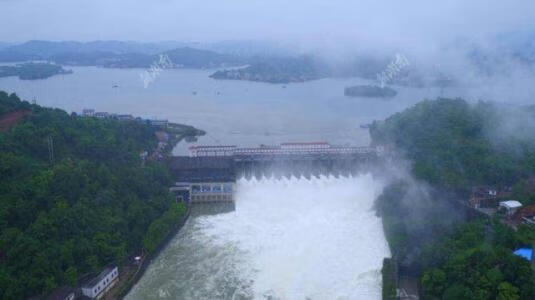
(307, 21)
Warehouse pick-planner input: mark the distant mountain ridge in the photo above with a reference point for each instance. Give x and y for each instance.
(90, 51)
(282, 63)
(4, 45)
(50, 48)
(115, 54)
(184, 57)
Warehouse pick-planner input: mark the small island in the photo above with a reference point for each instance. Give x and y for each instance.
(32, 71)
(370, 91)
(254, 74)
(278, 70)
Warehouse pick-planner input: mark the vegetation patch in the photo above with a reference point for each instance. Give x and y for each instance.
(74, 197)
(452, 146)
(389, 279)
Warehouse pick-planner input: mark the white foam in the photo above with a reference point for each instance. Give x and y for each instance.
(307, 238)
(287, 239)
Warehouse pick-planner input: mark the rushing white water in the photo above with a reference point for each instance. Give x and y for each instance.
(286, 239)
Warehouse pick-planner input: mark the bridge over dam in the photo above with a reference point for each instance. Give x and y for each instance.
(209, 173)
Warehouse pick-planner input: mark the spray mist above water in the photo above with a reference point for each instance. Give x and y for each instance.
(287, 239)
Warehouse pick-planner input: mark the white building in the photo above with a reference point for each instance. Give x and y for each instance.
(101, 115)
(98, 286)
(305, 146)
(88, 112)
(510, 206)
(158, 123)
(123, 117)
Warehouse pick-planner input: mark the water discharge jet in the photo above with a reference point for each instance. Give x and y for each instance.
(291, 238)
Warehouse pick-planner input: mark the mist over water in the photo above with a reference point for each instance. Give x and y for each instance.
(286, 239)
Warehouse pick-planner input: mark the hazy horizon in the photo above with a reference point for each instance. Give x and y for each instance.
(310, 24)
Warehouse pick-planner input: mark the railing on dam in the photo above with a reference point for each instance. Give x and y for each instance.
(284, 149)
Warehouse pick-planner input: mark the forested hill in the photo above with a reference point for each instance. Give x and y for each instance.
(278, 70)
(73, 196)
(454, 144)
(180, 58)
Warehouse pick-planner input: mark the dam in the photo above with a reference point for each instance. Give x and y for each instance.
(209, 173)
(292, 221)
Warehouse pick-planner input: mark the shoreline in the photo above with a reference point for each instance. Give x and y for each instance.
(174, 139)
(147, 260)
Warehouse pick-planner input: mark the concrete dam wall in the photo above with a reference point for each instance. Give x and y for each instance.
(210, 173)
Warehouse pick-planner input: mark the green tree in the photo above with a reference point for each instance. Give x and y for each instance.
(506, 291)
(434, 282)
(90, 207)
(71, 276)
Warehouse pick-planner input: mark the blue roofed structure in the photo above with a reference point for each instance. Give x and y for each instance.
(526, 253)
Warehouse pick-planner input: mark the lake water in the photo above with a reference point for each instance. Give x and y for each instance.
(286, 239)
(232, 112)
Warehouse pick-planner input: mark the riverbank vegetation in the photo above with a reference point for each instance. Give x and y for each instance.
(74, 196)
(477, 262)
(452, 259)
(388, 279)
(451, 146)
(163, 226)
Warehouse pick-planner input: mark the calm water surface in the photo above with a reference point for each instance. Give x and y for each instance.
(232, 112)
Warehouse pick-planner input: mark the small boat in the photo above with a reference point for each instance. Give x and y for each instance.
(115, 86)
(194, 92)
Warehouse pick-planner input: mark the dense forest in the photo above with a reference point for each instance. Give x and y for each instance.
(477, 262)
(74, 197)
(452, 259)
(456, 145)
(451, 146)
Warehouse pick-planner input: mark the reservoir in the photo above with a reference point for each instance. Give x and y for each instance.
(232, 112)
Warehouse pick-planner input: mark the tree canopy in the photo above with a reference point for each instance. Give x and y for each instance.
(454, 144)
(477, 262)
(74, 196)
